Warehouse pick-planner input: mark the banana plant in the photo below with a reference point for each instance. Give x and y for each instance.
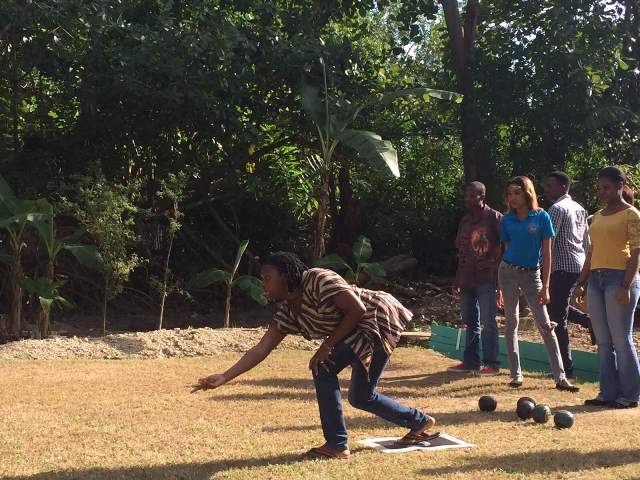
(332, 118)
(15, 217)
(48, 293)
(362, 252)
(87, 255)
(251, 286)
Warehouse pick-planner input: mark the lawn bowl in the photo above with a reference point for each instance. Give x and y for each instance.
(487, 403)
(529, 399)
(563, 419)
(541, 413)
(524, 410)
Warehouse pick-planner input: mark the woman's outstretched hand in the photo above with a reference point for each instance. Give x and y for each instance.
(208, 383)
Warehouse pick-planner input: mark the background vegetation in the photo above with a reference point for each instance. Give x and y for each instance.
(164, 133)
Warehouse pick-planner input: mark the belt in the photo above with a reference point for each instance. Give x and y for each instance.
(522, 269)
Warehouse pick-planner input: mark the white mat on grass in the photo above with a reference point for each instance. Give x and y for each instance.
(388, 445)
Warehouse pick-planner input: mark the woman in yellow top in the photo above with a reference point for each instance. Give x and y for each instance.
(611, 269)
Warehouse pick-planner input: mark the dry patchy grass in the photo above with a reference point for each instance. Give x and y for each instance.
(130, 419)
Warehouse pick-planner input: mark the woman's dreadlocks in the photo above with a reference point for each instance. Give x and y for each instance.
(289, 265)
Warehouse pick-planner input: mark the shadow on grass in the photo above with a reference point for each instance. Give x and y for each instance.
(273, 395)
(414, 387)
(416, 381)
(412, 381)
(191, 471)
(423, 381)
(579, 408)
(444, 419)
(375, 423)
(545, 461)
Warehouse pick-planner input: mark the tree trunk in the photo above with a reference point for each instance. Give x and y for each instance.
(346, 224)
(104, 304)
(14, 120)
(15, 309)
(476, 156)
(165, 280)
(15, 102)
(322, 196)
(227, 307)
(14, 323)
(44, 316)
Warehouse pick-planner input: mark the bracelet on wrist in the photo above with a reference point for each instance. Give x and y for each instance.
(326, 345)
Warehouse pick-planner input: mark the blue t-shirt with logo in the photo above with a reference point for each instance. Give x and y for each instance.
(525, 237)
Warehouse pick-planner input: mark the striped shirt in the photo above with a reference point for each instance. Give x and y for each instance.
(572, 235)
(384, 320)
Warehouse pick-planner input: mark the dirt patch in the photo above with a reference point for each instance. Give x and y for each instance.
(190, 342)
(430, 301)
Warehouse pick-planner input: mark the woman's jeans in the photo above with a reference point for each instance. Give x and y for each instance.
(512, 281)
(362, 395)
(478, 307)
(612, 325)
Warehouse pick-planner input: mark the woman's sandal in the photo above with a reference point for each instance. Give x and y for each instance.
(419, 436)
(327, 452)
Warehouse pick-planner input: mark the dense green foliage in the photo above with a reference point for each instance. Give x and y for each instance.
(104, 102)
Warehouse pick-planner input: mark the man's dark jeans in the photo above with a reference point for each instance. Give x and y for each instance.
(561, 312)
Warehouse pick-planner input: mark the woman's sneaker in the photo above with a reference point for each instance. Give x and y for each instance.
(460, 368)
(488, 372)
(566, 386)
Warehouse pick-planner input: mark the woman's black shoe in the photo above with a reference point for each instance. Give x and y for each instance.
(596, 402)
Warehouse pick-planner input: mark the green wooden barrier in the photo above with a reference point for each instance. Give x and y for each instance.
(533, 356)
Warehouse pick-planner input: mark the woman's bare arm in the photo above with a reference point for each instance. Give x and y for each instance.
(270, 340)
(353, 310)
(543, 297)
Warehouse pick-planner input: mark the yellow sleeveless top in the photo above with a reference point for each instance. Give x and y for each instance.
(613, 237)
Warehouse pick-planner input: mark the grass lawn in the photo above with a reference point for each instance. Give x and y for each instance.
(134, 419)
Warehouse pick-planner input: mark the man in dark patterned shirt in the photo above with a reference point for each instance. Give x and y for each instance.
(568, 255)
(478, 244)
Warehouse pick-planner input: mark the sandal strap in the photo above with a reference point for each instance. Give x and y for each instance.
(326, 452)
(412, 438)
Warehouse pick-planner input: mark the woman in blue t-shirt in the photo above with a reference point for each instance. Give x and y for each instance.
(525, 233)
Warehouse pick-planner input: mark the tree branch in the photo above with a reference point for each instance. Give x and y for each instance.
(470, 21)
